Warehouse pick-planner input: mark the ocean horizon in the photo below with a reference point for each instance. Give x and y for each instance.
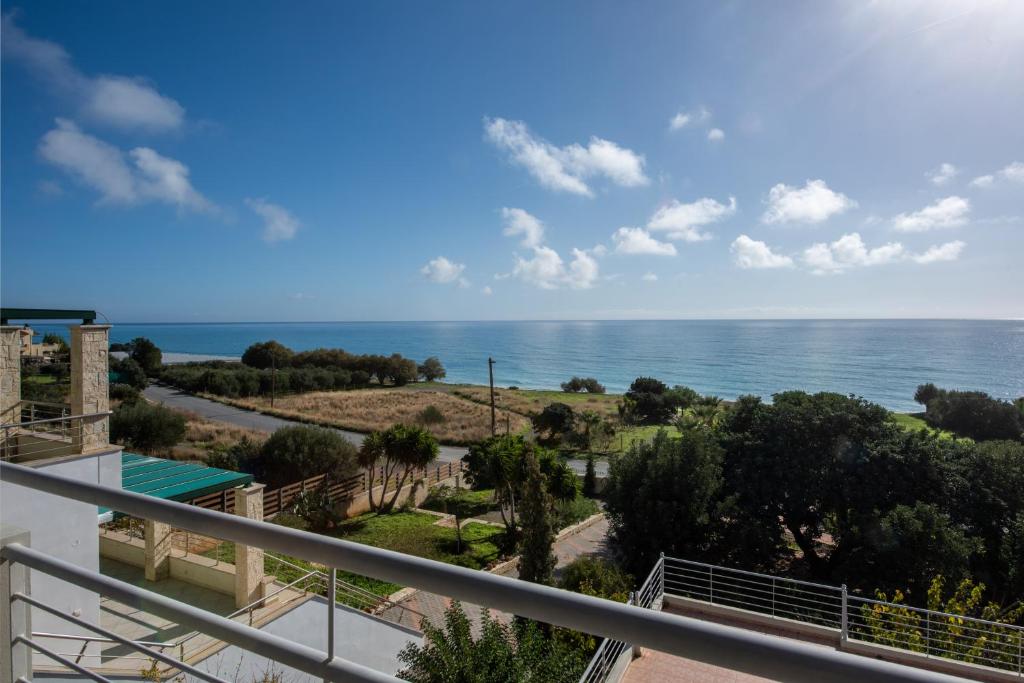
(882, 360)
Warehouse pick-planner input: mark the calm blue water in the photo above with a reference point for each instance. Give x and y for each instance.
(882, 361)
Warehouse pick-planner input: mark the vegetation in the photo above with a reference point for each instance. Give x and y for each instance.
(431, 369)
(396, 452)
(295, 453)
(587, 384)
(515, 653)
(569, 512)
(555, 420)
(464, 421)
(597, 577)
(527, 402)
(129, 372)
(831, 488)
(147, 428)
(536, 560)
(54, 339)
(590, 478)
(269, 354)
(973, 414)
(650, 402)
(500, 463)
(147, 355)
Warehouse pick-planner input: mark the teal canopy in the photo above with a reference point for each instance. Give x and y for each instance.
(173, 480)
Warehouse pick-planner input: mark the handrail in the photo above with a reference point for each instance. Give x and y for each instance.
(94, 639)
(713, 643)
(749, 573)
(934, 613)
(66, 418)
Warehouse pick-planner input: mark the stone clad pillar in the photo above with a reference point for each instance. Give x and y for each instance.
(248, 560)
(158, 550)
(10, 374)
(90, 384)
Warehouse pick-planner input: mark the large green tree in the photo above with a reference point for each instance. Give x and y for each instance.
(147, 354)
(146, 427)
(268, 354)
(292, 454)
(662, 496)
(536, 560)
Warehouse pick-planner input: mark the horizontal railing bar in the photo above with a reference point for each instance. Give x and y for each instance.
(68, 636)
(780, 585)
(306, 659)
(66, 418)
(944, 615)
(748, 573)
(60, 659)
(690, 638)
(939, 627)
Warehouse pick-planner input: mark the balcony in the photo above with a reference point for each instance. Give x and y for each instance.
(641, 625)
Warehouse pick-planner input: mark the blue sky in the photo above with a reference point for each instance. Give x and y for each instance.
(457, 161)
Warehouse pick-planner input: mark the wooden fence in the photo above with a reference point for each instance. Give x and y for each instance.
(277, 500)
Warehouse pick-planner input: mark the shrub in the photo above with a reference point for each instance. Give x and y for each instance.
(975, 414)
(569, 512)
(587, 384)
(556, 419)
(596, 577)
(124, 393)
(146, 427)
(431, 369)
(295, 453)
(316, 509)
(145, 353)
(590, 478)
(925, 393)
(129, 372)
(431, 415)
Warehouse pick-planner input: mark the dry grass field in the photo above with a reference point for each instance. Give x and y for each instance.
(531, 402)
(203, 436)
(465, 421)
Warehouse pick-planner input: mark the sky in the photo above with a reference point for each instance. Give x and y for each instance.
(318, 161)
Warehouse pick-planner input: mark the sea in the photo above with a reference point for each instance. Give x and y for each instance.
(880, 360)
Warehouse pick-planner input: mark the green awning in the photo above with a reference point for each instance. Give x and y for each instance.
(173, 480)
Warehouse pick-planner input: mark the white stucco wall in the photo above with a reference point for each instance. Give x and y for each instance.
(65, 529)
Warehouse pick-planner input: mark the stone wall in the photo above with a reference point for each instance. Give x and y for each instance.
(10, 373)
(90, 383)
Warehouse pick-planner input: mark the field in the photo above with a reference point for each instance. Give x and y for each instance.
(370, 409)
(913, 422)
(203, 436)
(529, 402)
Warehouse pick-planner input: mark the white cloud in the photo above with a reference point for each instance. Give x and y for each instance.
(443, 271)
(983, 181)
(751, 253)
(945, 213)
(278, 223)
(166, 180)
(1014, 172)
(565, 169)
(950, 251)
(683, 221)
(943, 174)
(545, 270)
(649, 277)
(639, 241)
(813, 203)
(847, 252)
(91, 161)
(683, 119)
(114, 100)
(104, 168)
(716, 135)
(487, 291)
(583, 270)
(519, 222)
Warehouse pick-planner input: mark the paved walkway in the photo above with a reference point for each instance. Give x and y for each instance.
(250, 419)
(590, 541)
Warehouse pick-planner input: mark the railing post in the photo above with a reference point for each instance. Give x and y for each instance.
(15, 657)
(711, 585)
(927, 633)
(332, 587)
(773, 597)
(844, 627)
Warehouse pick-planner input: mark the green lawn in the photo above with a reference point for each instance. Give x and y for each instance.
(913, 422)
(625, 437)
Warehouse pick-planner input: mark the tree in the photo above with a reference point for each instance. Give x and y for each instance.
(401, 370)
(537, 562)
(926, 393)
(499, 463)
(587, 384)
(455, 502)
(52, 338)
(146, 427)
(661, 497)
(431, 369)
(650, 401)
(590, 478)
(268, 354)
(518, 653)
(397, 451)
(145, 353)
(556, 419)
(976, 415)
(129, 372)
(292, 454)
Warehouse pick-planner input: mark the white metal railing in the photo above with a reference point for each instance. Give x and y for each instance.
(45, 437)
(715, 644)
(610, 651)
(927, 632)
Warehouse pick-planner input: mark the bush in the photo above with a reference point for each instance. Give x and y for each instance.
(596, 577)
(295, 453)
(145, 353)
(129, 372)
(431, 415)
(146, 427)
(974, 414)
(556, 419)
(124, 393)
(587, 384)
(431, 369)
(925, 393)
(569, 512)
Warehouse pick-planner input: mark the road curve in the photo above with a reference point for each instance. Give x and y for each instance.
(250, 419)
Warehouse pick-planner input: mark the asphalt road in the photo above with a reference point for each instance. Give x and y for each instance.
(249, 419)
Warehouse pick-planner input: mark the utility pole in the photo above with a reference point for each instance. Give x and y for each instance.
(490, 371)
